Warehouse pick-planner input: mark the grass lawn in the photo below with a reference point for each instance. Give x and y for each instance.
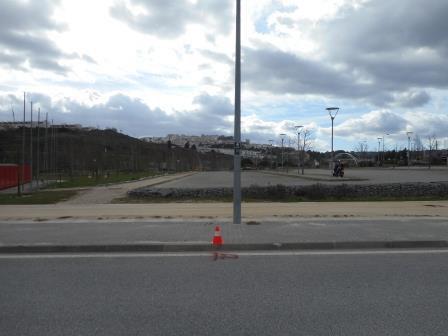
(40, 197)
(85, 181)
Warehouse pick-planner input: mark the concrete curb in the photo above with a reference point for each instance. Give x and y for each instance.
(186, 247)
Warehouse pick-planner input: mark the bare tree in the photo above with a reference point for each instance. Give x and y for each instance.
(432, 144)
(362, 149)
(307, 143)
(418, 147)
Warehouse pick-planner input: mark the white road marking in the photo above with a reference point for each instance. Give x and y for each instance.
(210, 254)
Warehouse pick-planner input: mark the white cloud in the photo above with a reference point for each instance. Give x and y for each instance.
(299, 56)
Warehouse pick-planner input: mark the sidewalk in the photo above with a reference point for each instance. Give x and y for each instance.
(257, 211)
(177, 235)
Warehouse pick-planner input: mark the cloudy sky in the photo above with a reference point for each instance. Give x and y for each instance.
(152, 67)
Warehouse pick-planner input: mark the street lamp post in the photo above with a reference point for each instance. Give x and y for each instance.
(409, 148)
(31, 146)
(22, 169)
(384, 140)
(283, 139)
(379, 143)
(298, 147)
(237, 125)
(332, 111)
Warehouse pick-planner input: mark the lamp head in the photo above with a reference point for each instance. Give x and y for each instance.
(332, 111)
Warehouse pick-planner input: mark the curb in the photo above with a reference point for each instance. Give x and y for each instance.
(185, 247)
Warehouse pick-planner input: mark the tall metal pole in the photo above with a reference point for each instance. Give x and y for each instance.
(18, 157)
(46, 154)
(55, 158)
(52, 166)
(22, 170)
(298, 153)
(303, 151)
(237, 126)
(384, 140)
(298, 147)
(18, 154)
(332, 151)
(282, 153)
(38, 147)
(31, 146)
(409, 148)
(282, 135)
(379, 143)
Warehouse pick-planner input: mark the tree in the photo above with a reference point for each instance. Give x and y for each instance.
(432, 144)
(362, 149)
(307, 142)
(193, 147)
(418, 146)
(187, 145)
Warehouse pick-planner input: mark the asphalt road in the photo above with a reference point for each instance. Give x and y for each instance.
(386, 293)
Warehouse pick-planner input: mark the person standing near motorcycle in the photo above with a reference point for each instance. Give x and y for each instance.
(336, 168)
(341, 169)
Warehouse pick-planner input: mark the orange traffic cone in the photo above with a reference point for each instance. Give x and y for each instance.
(217, 239)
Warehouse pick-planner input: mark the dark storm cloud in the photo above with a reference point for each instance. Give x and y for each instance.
(11, 60)
(414, 99)
(133, 115)
(168, 19)
(280, 72)
(28, 15)
(23, 28)
(384, 26)
(387, 53)
(399, 45)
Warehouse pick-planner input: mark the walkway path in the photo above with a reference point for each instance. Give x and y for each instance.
(105, 194)
(252, 211)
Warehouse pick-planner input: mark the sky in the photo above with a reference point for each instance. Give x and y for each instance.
(154, 67)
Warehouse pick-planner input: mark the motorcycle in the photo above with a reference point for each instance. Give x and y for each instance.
(338, 170)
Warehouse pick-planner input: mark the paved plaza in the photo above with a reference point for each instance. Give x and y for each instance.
(352, 176)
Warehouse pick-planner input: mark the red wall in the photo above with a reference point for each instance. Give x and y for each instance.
(8, 175)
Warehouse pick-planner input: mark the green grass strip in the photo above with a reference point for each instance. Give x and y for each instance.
(39, 197)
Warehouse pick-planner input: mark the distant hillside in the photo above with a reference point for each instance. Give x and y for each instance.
(75, 151)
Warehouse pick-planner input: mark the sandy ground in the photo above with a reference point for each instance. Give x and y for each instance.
(105, 194)
(224, 210)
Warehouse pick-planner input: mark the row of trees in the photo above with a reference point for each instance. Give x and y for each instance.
(80, 152)
(420, 153)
